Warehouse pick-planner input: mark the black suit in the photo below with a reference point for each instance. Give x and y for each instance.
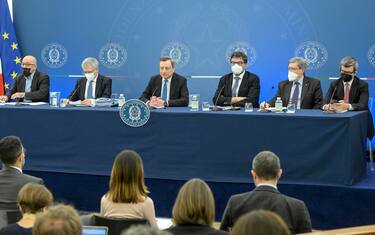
(249, 88)
(39, 87)
(311, 96)
(178, 94)
(11, 181)
(103, 88)
(358, 95)
(291, 210)
(196, 229)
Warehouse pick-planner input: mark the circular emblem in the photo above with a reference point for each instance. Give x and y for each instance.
(113, 55)
(315, 54)
(135, 113)
(179, 53)
(242, 47)
(54, 55)
(371, 55)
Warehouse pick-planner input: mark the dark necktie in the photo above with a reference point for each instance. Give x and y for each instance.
(89, 90)
(234, 89)
(295, 94)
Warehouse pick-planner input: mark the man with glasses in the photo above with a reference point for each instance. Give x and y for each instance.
(302, 91)
(30, 86)
(239, 86)
(348, 93)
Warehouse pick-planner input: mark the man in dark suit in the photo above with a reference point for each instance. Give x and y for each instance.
(302, 91)
(93, 85)
(32, 85)
(266, 173)
(238, 87)
(348, 93)
(12, 155)
(166, 89)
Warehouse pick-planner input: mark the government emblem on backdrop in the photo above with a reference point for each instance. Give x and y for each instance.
(242, 47)
(371, 55)
(179, 53)
(315, 54)
(54, 55)
(135, 113)
(113, 55)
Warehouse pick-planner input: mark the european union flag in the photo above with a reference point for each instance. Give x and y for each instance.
(9, 51)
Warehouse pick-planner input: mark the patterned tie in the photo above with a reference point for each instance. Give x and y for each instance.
(165, 90)
(89, 90)
(234, 89)
(295, 94)
(346, 93)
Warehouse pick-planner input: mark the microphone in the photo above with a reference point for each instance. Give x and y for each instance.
(74, 92)
(153, 93)
(334, 91)
(215, 107)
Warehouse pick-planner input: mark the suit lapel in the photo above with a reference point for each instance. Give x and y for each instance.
(288, 88)
(99, 81)
(243, 84)
(305, 88)
(22, 83)
(353, 90)
(82, 89)
(172, 87)
(34, 82)
(229, 85)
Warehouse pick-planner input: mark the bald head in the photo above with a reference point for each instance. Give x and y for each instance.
(29, 59)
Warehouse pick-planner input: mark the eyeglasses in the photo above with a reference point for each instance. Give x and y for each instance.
(237, 62)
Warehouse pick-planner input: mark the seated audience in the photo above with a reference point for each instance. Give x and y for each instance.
(58, 220)
(127, 195)
(32, 199)
(144, 230)
(194, 210)
(260, 222)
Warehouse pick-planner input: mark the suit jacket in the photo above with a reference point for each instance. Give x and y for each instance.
(187, 229)
(103, 88)
(311, 96)
(293, 211)
(178, 94)
(358, 95)
(39, 87)
(249, 88)
(11, 181)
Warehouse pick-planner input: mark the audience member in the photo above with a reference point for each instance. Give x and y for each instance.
(144, 230)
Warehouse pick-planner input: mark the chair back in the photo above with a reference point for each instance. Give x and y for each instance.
(117, 226)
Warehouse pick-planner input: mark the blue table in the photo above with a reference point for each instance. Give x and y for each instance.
(314, 148)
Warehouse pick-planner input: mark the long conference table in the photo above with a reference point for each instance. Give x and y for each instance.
(179, 144)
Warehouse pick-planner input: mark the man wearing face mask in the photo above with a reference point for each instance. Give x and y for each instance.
(238, 87)
(93, 85)
(302, 91)
(30, 86)
(348, 93)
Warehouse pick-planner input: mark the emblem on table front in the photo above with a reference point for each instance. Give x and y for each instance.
(135, 113)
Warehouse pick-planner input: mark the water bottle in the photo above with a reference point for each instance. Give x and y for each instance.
(54, 99)
(194, 103)
(278, 105)
(121, 100)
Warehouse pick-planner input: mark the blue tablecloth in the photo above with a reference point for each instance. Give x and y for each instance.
(314, 148)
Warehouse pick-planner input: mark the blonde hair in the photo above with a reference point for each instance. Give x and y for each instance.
(127, 179)
(32, 198)
(194, 204)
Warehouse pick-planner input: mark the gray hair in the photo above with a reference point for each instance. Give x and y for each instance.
(349, 61)
(144, 230)
(90, 62)
(301, 62)
(266, 165)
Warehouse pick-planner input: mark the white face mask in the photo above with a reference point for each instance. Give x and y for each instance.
(292, 76)
(90, 76)
(237, 69)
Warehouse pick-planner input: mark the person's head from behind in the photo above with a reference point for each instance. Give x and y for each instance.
(34, 198)
(194, 204)
(144, 230)
(260, 222)
(266, 168)
(12, 152)
(127, 178)
(58, 220)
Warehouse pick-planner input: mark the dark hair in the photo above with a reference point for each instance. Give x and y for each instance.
(10, 149)
(167, 58)
(266, 165)
(239, 54)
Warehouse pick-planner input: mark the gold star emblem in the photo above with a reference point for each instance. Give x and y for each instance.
(5, 35)
(14, 46)
(6, 86)
(17, 60)
(14, 75)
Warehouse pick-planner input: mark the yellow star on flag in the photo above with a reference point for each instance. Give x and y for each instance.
(14, 46)
(5, 35)
(17, 60)
(6, 86)
(14, 75)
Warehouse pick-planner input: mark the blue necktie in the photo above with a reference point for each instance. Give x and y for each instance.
(89, 90)
(234, 89)
(165, 90)
(295, 94)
